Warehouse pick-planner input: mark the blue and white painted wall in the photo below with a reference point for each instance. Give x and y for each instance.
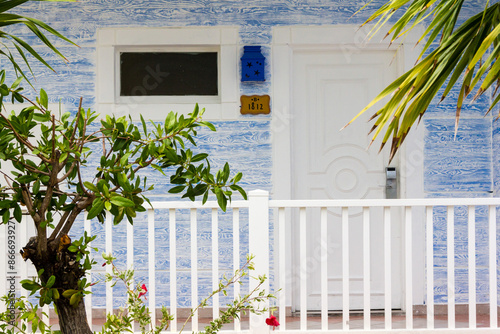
(467, 166)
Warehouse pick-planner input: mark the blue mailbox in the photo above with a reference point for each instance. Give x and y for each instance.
(252, 64)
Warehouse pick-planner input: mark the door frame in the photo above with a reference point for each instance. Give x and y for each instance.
(348, 39)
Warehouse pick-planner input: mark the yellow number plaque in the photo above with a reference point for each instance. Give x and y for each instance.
(255, 104)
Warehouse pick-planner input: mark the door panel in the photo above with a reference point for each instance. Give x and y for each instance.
(328, 91)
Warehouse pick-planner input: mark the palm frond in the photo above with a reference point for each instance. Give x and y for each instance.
(37, 27)
(459, 55)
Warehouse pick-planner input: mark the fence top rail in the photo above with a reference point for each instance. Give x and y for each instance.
(195, 205)
(417, 202)
(329, 203)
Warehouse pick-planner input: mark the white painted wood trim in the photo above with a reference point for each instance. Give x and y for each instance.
(258, 246)
(151, 266)
(173, 268)
(236, 260)
(417, 202)
(109, 250)
(110, 41)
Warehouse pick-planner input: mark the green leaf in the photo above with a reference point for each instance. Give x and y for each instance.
(205, 198)
(176, 190)
(75, 299)
(144, 128)
(238, 177)
(240, 190)
(6, 217)
(226, 172)
(68, 293)
(18, 213)
(30, 286)
(91, 186)
(25, 179)
(73, 249)
(105, 190)
(6, 5)
(40, 118)
(97, 208)
(65, 116)
(200, 189)
(50, 282)
(221, 199)
(5, 204)
(199, 157)
(122, 201)
(16, 96)
(36, 187)
(56, 294)
(44, 100)
(208, 125)
(16, 83)
(124, 159)
(158, 168)
(63, 157)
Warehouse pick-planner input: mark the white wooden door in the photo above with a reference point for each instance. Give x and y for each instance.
(329, 88)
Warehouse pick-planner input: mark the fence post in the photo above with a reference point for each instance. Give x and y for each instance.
(259, 247)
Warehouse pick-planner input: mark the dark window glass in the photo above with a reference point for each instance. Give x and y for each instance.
(168, 73)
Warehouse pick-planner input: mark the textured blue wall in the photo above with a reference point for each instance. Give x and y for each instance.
(461, 167)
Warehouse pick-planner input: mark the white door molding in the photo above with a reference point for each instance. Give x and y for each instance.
(349, 39)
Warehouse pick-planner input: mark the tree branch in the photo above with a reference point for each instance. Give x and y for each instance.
(103, 146)
(77, 118)
(33, 103)
(25, 192)
(53, 138)
(62, 221)
(50, 188)
(7, 177)
(32, 169)
(80, 181)
(69, 172)
(53, 174)
(82, 205)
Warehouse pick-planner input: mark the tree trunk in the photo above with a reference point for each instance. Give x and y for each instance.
(62, 264)
(72, 320)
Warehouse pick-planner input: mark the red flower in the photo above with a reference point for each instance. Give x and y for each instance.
(144, 290)
(272, 321)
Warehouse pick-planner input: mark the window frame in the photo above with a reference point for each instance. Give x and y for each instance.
(111, 41)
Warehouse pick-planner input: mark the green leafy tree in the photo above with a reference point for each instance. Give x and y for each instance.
(48, 152)
(465, 57)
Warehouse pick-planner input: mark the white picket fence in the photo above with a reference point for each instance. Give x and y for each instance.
(457, 236)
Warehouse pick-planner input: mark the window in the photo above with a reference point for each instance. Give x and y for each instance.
(151, 71)
(169, 74)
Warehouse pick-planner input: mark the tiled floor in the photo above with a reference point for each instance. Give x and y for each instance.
(335, 322)
(378, 322)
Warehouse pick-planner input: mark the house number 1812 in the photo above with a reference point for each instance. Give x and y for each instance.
(255, 104)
